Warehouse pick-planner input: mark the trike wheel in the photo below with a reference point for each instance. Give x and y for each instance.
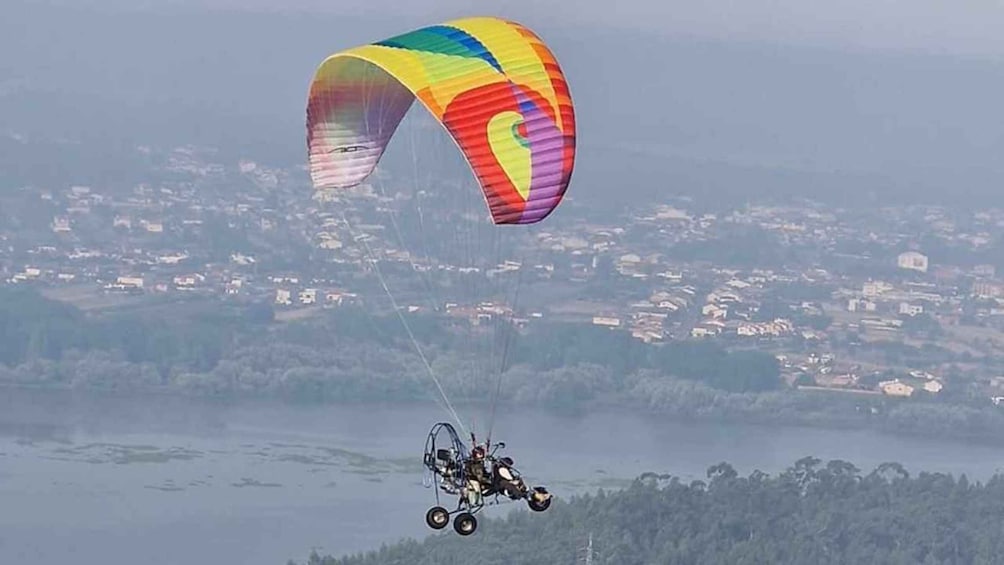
(437, 517)
(465, 523)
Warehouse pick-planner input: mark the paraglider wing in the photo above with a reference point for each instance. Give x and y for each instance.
(493, 84)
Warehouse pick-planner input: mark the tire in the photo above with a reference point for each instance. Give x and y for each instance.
(538, 506)
(465, 523)
(437, 517)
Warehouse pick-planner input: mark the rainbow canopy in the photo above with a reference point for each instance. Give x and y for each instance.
(492, 83)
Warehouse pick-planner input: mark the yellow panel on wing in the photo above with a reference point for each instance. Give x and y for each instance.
(514, 53)
(454, 75)
(440, 77)
(512, 155)
(405, 66)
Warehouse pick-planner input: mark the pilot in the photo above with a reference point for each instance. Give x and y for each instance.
(475, 469)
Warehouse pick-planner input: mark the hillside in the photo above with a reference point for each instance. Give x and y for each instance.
(814, 512)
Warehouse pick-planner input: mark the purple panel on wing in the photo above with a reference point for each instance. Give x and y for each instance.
(546, 146)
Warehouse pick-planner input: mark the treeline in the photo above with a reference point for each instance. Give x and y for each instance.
(551, 346)
(170, 337)
(205, 347)
(813, 512)
(219, 347)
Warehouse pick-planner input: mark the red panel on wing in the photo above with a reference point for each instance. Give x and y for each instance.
(467, 117)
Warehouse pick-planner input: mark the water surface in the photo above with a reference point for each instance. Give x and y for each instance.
(122, 480)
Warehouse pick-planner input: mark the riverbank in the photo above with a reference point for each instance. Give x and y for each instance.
(662, 398)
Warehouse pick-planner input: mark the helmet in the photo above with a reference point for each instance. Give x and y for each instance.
(478, 453)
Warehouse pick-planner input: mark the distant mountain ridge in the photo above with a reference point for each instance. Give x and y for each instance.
(657, 115)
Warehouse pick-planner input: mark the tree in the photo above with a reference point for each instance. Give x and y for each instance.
(813, 512)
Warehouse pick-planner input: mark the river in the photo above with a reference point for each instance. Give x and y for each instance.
(165, 480)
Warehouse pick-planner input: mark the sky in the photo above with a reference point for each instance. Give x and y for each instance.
(691, 95)
(961, 27)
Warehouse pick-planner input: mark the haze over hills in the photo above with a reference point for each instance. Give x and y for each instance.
(196, 346)
(713, 116)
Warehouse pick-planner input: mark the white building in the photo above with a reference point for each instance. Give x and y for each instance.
(283, 296)
(607, 321)
(913, 261)
(896, 388)
(714, 311)
(933, 387)
(188, 281)
(61, 225)
(860, 304)
(234, 287)
(985, 271)
(872, 289)
(134, 282)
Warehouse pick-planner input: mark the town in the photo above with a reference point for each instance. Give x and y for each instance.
(898, 301)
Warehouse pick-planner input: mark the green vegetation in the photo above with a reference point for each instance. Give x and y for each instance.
(33, 328)
(347, 355)
(813, 512)
(207, 347)
(562, 345)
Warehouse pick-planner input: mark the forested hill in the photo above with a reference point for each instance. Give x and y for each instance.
(814, 512)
